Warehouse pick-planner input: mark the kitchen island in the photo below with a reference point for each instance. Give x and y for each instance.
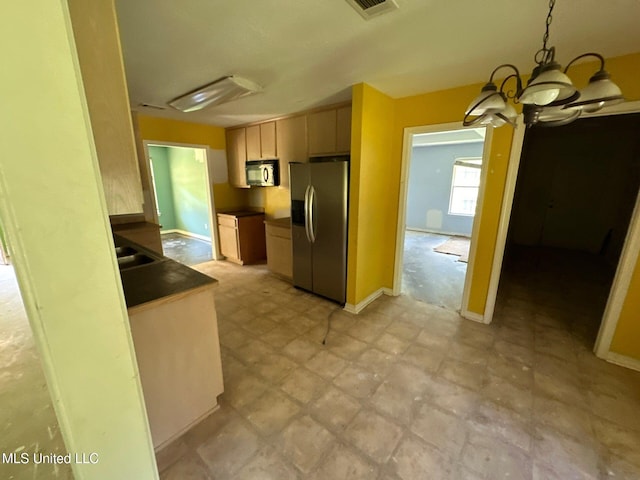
(175, 334)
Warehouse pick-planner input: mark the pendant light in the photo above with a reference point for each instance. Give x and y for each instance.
(549, 99)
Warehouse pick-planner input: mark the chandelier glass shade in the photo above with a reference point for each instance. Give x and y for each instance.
(549, 98)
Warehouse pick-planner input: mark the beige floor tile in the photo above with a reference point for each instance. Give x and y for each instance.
(414, 460)
(497, 421)
(374, 435)
(345, 346)
(301, 349)
(279, 336)
(432, 340)
(404, 330)
(394, 402)
(303, 385)
(267, 464)
(444, 431)
(568, 419)
(271, 412)
(424, 358)
(335, 408)
(357, 382)
(516, 373)
(376, 361)
(189, 467)
(229, 450)
(452, 397)
(326, 364)
(495, 460)
(391, 344)
(304, 442)
(274, 367)
(557, 449)
(409, 378)
(344, 463)
(468, 375)
(509, 395)
(244, 390)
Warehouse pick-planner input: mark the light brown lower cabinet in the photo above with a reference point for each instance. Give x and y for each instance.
(279, 253)
(242, 237)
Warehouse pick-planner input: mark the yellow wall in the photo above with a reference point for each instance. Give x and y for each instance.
(165, 130)
(448, 106)
(371, 213)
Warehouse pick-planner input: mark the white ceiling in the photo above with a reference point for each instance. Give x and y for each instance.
(308, 53)
(467, 135)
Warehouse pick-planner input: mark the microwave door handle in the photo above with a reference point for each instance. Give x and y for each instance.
(265, 175)
(306, 212)
(312, 219)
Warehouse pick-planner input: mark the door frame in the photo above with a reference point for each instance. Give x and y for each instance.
(213, 224)
(408, 134)
(628, 257)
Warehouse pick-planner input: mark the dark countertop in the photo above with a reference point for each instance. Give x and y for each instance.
(280, 222)
(162, 278)
(134, 225)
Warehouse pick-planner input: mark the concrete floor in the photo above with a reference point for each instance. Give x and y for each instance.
(27, 419)
(186, 250)
(407, 390)
(429, 276)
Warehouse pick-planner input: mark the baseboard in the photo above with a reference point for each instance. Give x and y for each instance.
(186, 428)
(355, 309)
(476, 317)
(623, 361)
(187, 234)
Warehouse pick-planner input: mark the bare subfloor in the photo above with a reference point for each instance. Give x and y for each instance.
(429, 276)
(186, 250)
(27, 420)
(407, 390)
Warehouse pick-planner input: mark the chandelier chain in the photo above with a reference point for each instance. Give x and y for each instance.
(545, 38)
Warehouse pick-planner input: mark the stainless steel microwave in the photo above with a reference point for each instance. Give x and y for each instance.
(263, 173)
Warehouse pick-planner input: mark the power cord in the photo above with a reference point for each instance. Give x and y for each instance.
(324, 340)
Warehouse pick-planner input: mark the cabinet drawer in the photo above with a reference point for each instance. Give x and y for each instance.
(227, 221)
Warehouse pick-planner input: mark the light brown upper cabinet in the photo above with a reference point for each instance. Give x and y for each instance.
(343, 130)
(261, 141)
(253, 142)
(268, 147)
(97, 42)
(237, 157)
(322, 132)
(291, 138)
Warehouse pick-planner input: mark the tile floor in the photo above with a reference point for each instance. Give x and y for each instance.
(27, 420)
(407, 390)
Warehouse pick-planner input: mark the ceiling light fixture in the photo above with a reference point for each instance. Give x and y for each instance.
(222, 90)
(549, 99)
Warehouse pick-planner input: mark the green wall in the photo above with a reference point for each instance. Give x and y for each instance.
(164, 189)
(190, 198)
(181, 189)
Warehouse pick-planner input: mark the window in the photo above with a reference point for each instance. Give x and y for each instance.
(465, 185)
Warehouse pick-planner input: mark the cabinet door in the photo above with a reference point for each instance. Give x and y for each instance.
(343, 133)
(229, 241)
(268, 140)
(291, 140)
(253, 142)
(322, 132)
(95, 31)
(237, 157)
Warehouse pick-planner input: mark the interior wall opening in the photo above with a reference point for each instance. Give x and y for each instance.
(575, 193)
(28, 421)
(442, 194)
(179, 176)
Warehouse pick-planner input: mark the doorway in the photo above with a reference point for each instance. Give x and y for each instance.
(441, 187)
(576, 189)
(184, 201)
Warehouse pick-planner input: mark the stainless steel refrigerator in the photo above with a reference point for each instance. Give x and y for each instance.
(319, 201)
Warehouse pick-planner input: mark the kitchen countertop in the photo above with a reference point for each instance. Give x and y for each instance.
(134, 225)
(160, 279)
(241, 213)
(279, 222)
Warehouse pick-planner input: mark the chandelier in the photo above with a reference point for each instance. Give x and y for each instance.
(549, 99)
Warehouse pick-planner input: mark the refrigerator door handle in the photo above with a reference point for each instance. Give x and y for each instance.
(312, 206)
(306, 212)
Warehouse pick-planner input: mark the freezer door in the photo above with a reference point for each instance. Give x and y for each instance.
(328, 199)
(301, 245)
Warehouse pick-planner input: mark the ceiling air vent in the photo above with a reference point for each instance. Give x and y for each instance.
(151, 105)
(372, 8)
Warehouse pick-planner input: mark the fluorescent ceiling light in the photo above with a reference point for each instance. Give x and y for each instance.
(222, 90)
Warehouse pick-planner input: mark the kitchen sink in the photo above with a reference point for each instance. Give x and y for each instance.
(129, 261)
(125, 251)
